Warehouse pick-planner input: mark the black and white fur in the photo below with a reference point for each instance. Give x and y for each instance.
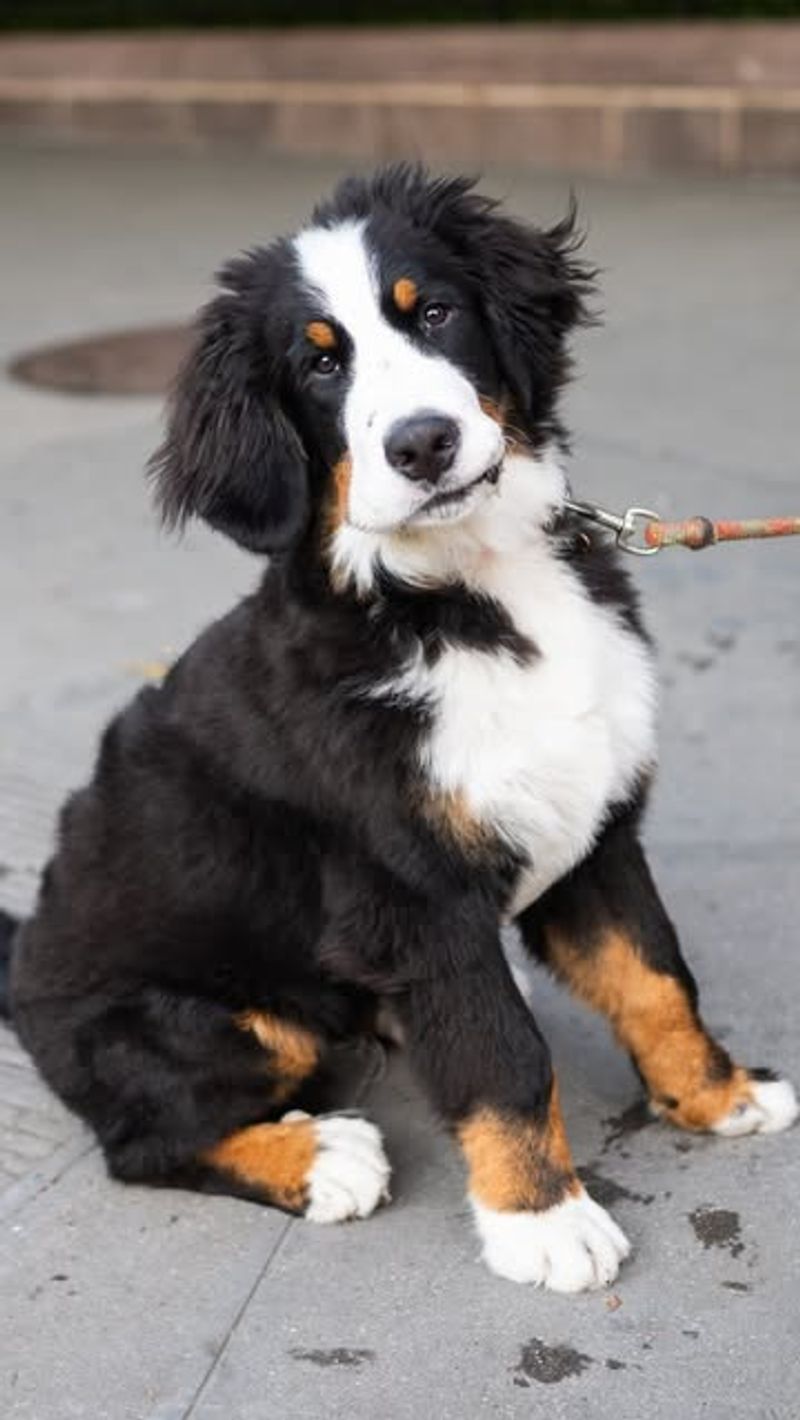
(271, 829)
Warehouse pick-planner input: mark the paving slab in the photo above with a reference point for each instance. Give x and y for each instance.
(129, 1304)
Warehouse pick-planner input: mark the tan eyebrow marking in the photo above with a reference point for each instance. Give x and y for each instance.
(321, 334)
(405, 294)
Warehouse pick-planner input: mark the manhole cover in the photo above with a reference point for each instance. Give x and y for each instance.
(120, 362)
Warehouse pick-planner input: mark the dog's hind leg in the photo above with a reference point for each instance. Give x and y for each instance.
(327, 1168)
(182, 1092)
(604, 932)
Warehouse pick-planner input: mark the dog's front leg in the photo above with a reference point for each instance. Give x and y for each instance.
(604, 931)
(488, 1071)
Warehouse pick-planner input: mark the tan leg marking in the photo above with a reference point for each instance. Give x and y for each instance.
(405, 294)
(294, 1051)
(516, 1163)
(277, 1158)
(690, 1077)
(321, 334)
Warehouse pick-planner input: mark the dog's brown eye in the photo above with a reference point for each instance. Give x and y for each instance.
(435, 313)
(325, 363)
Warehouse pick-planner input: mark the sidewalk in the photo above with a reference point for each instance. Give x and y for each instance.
(126, 1304)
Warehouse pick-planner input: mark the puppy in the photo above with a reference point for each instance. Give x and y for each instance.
(435, 714)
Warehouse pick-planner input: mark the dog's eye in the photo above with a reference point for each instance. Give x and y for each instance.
(436, 313)
(326, 364)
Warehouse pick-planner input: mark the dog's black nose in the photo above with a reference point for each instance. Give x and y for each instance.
(423, 447)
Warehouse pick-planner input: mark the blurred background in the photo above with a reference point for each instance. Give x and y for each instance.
(141, 144)
(601, 84)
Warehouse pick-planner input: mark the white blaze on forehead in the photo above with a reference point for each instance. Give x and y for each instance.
(336, 262)
(390, 378)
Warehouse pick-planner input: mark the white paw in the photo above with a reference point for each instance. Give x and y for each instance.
(350, 1174)
(773, 1107)
(568, 1248)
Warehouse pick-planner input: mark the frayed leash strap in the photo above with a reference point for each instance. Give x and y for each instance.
(697, 533)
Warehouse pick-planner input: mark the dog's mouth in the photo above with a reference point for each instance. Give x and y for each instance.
(445, 506)
(450, 499)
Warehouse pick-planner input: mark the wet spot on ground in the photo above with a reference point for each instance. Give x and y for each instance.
(335, 1356)
(607, 1190)
(549, 1364)
(695, 660)
(722, 635)
(619, 1126)
(717, 1227)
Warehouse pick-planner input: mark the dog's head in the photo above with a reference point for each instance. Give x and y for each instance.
(372, 369)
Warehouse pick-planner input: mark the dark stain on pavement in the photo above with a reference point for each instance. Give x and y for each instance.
(619, 1126)
(607, 1190)
(723, 635)
(696, 661)
(614, 1365)
(548, 1364)
(717, 1227)
(336, 1356)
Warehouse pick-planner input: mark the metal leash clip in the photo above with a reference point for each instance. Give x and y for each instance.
(629, 528)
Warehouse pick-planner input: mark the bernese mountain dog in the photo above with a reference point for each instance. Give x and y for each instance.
(434, 716)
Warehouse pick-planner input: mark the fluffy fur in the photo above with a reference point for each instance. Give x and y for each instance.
(435, 713)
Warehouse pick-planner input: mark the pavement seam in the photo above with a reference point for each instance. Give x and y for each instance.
(374, 1072)
(234, 1326)
(39, 1179)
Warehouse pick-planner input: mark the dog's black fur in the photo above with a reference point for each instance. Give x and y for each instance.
(252, 838)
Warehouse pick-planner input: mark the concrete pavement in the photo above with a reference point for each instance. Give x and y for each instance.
(125, 1304)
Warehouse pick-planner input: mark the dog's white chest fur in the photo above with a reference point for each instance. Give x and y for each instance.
(538, 751)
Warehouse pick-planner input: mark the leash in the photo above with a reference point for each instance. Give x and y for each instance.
(642, 532)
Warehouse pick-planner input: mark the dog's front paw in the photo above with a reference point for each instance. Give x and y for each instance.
(570, 1247)
(768, 1104)
(350, 1173)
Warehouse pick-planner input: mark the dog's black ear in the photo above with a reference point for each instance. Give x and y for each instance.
(531, 284)
(231, 455)
(534, 290)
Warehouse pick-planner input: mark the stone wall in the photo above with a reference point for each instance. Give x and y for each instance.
(703, 96)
